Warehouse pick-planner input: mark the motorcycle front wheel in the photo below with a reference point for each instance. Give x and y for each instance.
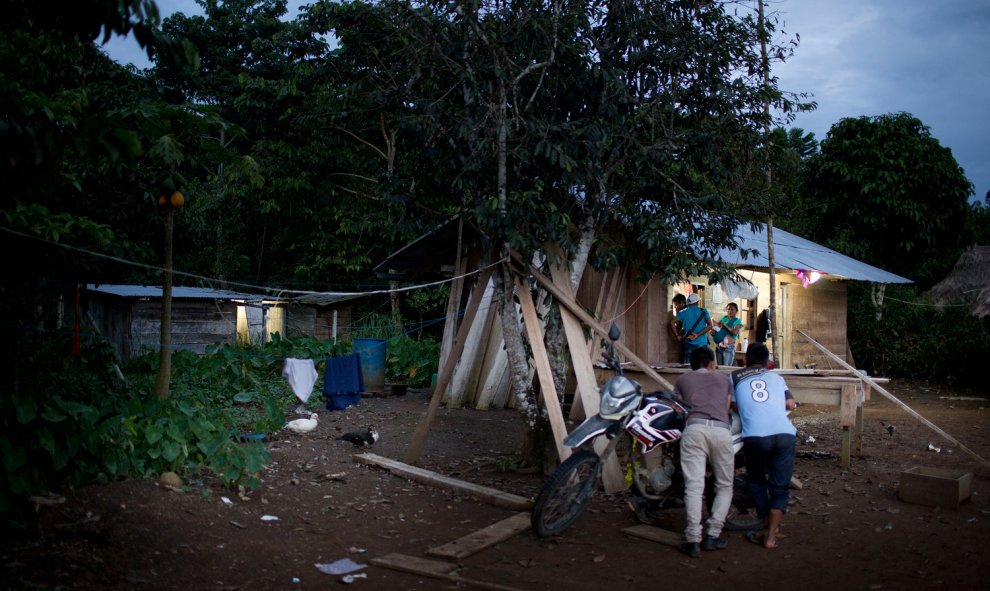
(566, 493)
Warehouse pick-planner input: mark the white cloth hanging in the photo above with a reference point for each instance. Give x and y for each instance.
(301, 374)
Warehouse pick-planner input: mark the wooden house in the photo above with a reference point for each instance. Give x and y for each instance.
(644, 311)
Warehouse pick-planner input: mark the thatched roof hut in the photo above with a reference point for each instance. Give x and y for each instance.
(969, 282)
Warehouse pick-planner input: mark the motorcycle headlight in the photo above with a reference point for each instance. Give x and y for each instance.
(619, 397)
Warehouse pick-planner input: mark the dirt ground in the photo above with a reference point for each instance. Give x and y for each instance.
(845, 528)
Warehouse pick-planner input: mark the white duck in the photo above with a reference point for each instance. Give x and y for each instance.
(303, 425)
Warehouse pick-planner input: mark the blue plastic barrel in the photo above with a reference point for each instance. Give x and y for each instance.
(372, 352)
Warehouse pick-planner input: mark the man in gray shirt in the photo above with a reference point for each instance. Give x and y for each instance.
(706, 437)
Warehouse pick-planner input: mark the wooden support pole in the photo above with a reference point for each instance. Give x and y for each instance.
(613, 479)
(846, 447)
(586, 318)
(418, 442)
(861, 398)
(543, 371)
(873, 384)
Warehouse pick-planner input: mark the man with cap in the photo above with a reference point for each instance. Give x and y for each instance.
(697, 324)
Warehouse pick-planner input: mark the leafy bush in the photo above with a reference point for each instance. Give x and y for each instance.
(70, 421)
(410, 361)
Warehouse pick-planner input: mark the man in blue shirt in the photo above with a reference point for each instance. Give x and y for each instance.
(763, 400)
(697, 324)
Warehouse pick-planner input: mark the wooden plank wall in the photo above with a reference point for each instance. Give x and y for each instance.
(195, 324)
(644, 323)
(820, 311)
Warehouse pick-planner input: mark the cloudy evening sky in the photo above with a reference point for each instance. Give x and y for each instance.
(861, 57)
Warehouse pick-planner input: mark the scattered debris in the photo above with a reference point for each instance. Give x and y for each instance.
(810, 440)
(931, 447)
(815, 455)
(227, 501)
(340, 567)
(238, 525)
(269, 518)
(348, 579)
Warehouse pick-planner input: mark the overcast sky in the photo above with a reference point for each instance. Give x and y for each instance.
(861, 57)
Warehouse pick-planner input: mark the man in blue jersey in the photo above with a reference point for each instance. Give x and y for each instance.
(762, 399)
(696, 323)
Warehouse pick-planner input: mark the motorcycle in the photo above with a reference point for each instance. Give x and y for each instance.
(644, 432)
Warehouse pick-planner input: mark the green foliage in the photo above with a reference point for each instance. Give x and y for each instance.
(890, 195)
(914, 339)
(70, 421)
(375, 325)
(410, 361)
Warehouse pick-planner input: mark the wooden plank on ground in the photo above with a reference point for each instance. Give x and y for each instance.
(415, 564)
(483, 493)
(483, 538)
(543, 371)
(432, 568)
(654, 534)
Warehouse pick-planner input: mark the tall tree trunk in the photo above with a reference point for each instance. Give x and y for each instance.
(521, 384)
(164, 377)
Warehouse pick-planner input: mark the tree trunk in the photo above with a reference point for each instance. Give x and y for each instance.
(164, 377)
(521, 384)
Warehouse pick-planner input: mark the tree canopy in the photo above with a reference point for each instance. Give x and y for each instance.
(890, 194)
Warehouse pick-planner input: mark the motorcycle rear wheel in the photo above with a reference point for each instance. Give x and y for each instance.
(566, 493)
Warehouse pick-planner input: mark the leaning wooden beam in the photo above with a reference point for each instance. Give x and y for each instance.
(483, 538)
(873, 384)
(418, 442)
(483, 493)
(587, 386)
(591, 322)
(543, 371)
(433, 568)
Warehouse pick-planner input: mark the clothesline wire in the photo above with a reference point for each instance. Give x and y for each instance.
(213, 280)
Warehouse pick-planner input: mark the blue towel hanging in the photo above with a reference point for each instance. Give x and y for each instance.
(343, 382)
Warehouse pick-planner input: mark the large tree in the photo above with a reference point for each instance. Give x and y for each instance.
(621, 125)
(890, 194)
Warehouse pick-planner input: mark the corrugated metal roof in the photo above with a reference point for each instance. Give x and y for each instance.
(180, 293)
(793, 252)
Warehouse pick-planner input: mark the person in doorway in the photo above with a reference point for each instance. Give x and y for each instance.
(763, 401)
(696, 324)
(726, 335)
(706, 438)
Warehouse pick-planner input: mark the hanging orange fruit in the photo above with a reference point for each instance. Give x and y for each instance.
(177, 200)
(161, 200)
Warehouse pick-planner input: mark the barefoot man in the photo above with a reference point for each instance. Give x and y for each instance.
(762, 399)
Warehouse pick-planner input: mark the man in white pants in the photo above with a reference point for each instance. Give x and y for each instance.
(706, 438)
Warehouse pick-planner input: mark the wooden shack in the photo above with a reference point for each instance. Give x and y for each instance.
(129, 316)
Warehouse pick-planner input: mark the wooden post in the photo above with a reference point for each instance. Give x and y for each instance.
(415, 448)
(847, 418)
(860, 401)
(894, 399)
(543, 371)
